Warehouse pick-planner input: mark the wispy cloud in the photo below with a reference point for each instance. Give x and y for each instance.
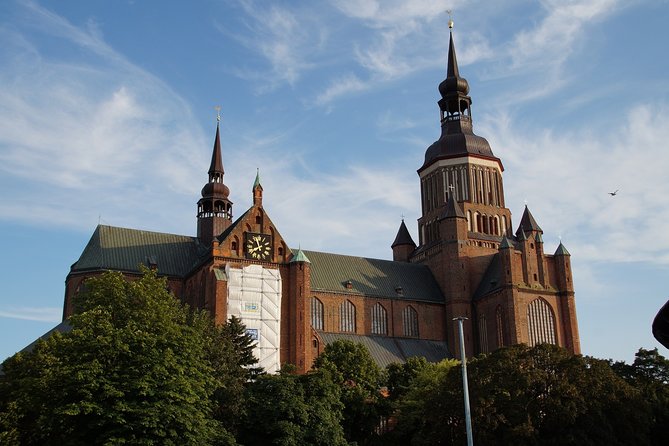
(86, 129)
(342, 86)
(575, 170)
(287, 39)
(39, 314)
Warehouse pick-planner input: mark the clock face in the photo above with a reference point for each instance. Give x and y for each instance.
(258, 246)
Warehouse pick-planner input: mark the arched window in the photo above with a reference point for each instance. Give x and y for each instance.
(541, 322)
(316, 314)
(410, 322)
(483, 334)
(499, 320)
(347, 317)
(379, 320)
(469, 221)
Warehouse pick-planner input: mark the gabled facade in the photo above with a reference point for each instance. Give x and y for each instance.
(467, 262)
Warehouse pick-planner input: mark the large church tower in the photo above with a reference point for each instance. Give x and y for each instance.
(507, 288)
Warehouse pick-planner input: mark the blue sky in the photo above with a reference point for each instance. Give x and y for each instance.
(107, 115)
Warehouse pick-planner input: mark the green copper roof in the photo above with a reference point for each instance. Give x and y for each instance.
(125, 249)
(506, 243)
(372, 277)
(300, 257)
(256, 183)
(386, 350)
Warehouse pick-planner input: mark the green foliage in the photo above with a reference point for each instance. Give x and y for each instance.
(524, 396)
(231, 355)
(135, 368)
(359, 379)
(649, 373)
(292, 410)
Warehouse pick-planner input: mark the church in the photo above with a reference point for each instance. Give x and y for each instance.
(468, 262)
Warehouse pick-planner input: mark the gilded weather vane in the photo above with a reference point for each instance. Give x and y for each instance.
(450, 19)
(218, 113)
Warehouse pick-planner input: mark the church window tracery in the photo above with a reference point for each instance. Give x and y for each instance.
(379, 320)
(316, 313)
(410, 322)
(483, 334)
(347, 317)
(541, 322)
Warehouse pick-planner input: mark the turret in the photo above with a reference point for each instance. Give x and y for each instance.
(214, 209)
(403, 246)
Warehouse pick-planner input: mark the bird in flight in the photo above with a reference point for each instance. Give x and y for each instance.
(613, 194)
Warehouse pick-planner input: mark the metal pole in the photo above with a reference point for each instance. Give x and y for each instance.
(465, 385)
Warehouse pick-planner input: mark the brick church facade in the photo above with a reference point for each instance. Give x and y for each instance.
(467, 262)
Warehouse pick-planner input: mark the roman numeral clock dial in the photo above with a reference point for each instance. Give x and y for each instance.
(258, 246)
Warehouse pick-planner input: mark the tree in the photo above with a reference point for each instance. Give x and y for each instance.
(287, 409)
(526, 396)
(231, 354)
(135, 368)
(357, 374)
(400, 377)
(649, 373)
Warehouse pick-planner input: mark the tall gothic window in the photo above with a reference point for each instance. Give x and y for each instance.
(347, 317)
(379, 320)
(483, 334)
(541, 322)
(410, 322)
(499, 320)
(316, 313)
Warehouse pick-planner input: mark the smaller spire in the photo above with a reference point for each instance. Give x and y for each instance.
(453, 209)
(506, 243)
(561, 250)
(300, 257)
(257, 190)
(528, 223)
(403, 237)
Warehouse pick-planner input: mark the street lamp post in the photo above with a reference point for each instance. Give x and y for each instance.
(465, 385)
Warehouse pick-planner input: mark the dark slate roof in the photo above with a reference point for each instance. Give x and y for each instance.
(372, 277)
(506, 243)
(453, 209)
(125, 249)
(492, 278)
(403, 237)
(528, 223)
(386, 350)
(561, 250)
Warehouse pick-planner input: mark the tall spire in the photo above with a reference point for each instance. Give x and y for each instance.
(214, 209)
(216, 166)
(457, 135)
